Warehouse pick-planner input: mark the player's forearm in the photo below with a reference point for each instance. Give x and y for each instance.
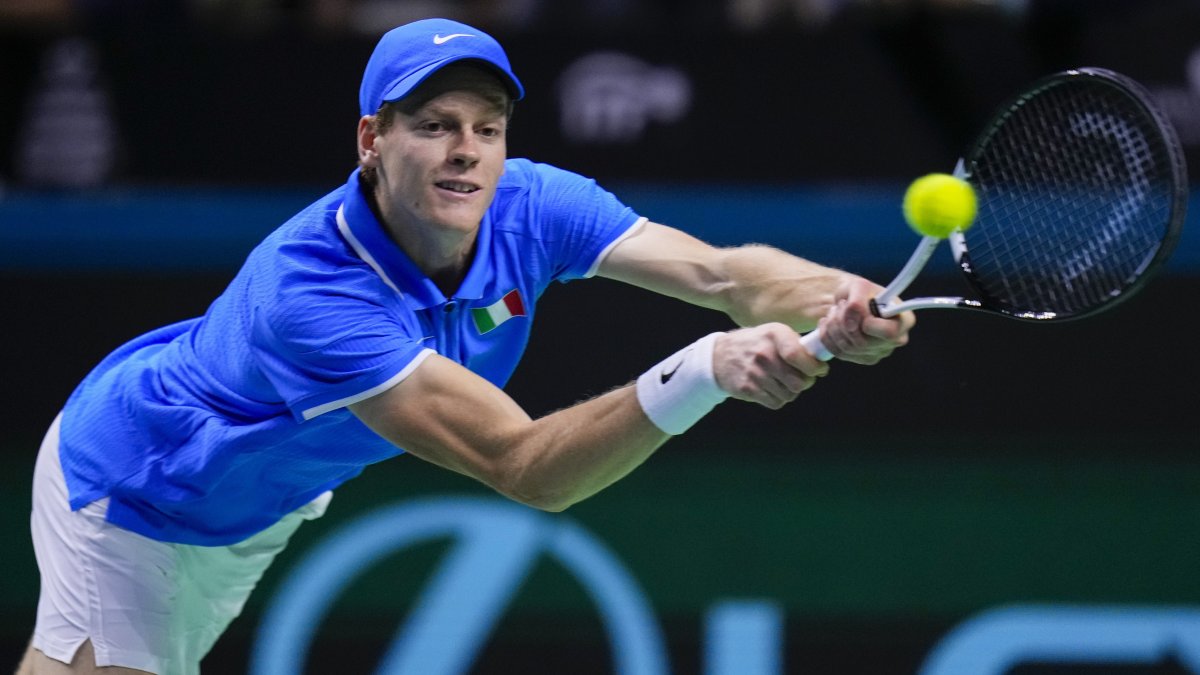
(763, 284)
(570, 455)
(451, 417)
(752, 284)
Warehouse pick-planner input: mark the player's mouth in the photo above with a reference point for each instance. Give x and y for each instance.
(457, 187)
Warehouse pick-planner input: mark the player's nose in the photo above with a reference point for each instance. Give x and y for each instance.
(465, 151)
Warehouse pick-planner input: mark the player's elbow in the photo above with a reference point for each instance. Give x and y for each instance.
(541, 500)
(539, 497)
(521, 488)
(530, 470)
(550, 505)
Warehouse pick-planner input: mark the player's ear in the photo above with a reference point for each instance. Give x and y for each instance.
(367, 155)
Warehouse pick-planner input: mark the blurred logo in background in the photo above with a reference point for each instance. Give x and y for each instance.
(494, 545)
(612, 98)
(69, 137)
(1182, 104)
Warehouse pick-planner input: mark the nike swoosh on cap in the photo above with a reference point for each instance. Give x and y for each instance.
(439, 40)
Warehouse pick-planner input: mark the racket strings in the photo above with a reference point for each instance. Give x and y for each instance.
(1074, 188)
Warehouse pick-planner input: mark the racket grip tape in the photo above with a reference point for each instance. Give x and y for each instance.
(812, 342)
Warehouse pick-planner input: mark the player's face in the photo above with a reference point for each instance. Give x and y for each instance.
(438, 165)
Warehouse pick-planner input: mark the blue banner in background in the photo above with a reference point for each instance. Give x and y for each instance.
(857, 227)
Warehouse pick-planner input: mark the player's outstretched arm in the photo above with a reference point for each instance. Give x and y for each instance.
(757, 284)
(447, 415)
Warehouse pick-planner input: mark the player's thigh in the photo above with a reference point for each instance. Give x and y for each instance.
(219, 579)
(84, 663)
(101, 585)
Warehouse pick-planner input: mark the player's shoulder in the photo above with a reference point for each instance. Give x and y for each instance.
(308, 240)
(529, 187)
(307, 255)
(526, 174)
(314, 225)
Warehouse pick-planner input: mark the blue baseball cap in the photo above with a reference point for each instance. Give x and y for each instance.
(406, 56)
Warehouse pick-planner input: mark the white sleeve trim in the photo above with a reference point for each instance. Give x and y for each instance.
(637, 225)
(364, 395)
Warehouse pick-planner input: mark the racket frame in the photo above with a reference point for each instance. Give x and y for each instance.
(886, 305)
(1176, 167)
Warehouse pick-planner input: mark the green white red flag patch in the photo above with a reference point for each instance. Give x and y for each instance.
(488, 318)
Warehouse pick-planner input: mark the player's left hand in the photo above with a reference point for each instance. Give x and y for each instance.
(765, 365)
(854, 334)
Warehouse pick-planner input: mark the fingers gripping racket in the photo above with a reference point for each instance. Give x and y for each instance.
(1081, 189)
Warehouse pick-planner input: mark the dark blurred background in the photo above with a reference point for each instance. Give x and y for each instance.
(146, 145)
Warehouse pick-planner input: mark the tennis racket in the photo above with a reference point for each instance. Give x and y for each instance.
(1081, 189)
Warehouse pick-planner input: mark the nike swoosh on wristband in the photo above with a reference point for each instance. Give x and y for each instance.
(439, 40)
(666, 375)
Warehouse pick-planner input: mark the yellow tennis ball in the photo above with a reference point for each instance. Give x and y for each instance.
(938, 204)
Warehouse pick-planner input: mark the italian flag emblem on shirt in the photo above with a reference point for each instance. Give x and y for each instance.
(488, 318)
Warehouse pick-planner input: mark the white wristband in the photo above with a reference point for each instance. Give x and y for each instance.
(681, 389)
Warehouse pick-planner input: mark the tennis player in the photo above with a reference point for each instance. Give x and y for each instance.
(382, 319)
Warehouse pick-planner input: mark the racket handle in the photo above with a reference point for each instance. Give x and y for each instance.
(812, 342)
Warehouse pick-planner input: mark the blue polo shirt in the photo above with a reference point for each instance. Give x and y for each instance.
(210, 430)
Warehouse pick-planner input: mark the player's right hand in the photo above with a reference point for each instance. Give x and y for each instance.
(856, 335)
(765, 364)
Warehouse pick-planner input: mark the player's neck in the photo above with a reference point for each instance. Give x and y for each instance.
(444, 256)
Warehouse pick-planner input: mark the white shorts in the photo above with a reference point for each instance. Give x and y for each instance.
(144, 604)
